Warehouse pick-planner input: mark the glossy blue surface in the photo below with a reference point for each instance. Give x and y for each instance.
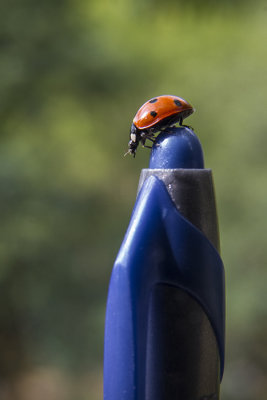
(160, 246)
(177, 148)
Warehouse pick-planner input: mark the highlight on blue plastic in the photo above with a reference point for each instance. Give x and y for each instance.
(177, 148)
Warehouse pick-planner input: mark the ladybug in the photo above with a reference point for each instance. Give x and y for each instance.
(155, 115)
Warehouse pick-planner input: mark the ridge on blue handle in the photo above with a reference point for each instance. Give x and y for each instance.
(160, 247)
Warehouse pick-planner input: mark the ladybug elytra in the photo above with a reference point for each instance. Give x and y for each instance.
(155, 115)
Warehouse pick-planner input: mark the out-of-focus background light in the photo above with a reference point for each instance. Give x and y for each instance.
(72, 76)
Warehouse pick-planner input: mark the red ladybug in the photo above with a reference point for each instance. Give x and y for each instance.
(155, 115)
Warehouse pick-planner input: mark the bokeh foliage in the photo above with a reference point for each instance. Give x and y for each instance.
(73, 74)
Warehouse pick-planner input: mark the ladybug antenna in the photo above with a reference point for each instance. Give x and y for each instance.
(127, 152)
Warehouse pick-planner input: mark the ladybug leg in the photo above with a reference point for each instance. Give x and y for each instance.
(143, 142)
(149, 147)
(186, 126)
(147, 136)
(151, 139)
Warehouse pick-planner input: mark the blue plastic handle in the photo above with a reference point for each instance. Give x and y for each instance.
(163, 261)
(177, 148)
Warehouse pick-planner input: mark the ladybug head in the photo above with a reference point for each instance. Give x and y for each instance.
(134, 140)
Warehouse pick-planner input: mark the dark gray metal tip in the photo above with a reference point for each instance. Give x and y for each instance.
(192, 191)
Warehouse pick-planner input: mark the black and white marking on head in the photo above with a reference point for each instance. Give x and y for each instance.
(177, 103)
(153, 114)
(153, 100)
(133, 137)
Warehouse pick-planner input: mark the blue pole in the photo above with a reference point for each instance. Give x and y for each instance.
(164, 333)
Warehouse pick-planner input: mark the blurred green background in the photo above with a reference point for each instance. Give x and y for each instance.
(72, 76)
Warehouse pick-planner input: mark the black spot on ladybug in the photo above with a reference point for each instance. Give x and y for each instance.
(153, 100)
(153, 114)
(177, 103)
